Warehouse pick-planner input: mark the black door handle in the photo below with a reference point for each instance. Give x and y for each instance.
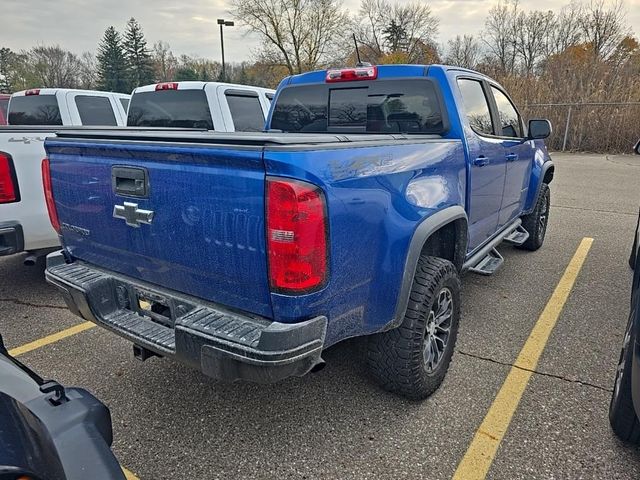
(130, 181)
(481, 161)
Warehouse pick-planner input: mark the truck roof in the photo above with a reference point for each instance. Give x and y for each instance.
(383, 71)
(54, 91)
(192, 85)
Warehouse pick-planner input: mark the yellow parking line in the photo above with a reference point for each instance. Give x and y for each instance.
(129, 475)
(81, 327)
(478, 459)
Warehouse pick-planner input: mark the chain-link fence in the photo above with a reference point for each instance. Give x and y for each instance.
(590, 127)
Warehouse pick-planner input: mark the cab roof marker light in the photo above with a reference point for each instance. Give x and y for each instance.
(167, 86)
(32, 91)
(352, 74)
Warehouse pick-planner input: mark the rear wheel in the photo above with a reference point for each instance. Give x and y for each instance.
(622, 414)
(412, 360)
(536, 222)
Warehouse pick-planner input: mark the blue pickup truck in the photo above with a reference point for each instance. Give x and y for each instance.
(246, 255)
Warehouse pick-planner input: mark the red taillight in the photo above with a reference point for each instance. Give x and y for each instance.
(48, 195)
(167, 86)
(33, 91)
(8, 187)
(296, 236)
(351, 74)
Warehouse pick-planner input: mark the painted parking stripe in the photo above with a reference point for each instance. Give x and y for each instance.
(478, 459)
(56, 337)
(129, 475)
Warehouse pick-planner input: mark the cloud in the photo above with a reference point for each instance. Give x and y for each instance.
(190, 27)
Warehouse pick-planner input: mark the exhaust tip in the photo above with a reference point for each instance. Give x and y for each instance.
(318, 366)
(30, 260)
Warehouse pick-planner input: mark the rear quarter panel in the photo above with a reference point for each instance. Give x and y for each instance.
(376, 197)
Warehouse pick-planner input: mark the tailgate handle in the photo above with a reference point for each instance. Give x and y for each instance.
(130, 181)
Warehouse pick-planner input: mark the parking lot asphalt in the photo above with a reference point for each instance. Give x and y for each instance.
(172, 422)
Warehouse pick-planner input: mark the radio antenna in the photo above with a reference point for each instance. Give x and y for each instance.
(360, 62)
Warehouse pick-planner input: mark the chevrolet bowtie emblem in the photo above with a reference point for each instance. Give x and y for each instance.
(132, 215)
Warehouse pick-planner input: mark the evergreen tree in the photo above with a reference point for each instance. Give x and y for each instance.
(6, 60)
(112, 63)
(137, 55)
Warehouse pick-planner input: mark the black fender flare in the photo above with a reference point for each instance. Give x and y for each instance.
(421, 234)
(546, 166)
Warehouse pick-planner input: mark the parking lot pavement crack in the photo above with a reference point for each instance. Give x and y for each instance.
(570, 207)
(536, 372)
(15, 301)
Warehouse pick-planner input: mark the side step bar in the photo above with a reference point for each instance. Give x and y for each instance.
(488, 260)
(489, 264)
(517, 237)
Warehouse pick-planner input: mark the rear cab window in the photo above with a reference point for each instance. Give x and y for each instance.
(246, 111)
(380, 106)
(34, 110)
(95, 110)
(170, 108)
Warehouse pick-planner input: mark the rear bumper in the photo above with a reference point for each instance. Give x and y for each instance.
(11, 238)
(223, 344)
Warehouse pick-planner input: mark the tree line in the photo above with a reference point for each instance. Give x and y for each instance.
(583, 53)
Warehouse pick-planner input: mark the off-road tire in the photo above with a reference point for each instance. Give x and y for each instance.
(622, 415)
(397, 358)
(536, 222)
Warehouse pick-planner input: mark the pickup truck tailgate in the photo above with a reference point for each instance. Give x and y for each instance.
(189, 218)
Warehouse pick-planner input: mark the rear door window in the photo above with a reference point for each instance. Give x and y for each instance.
(34, 110)
(170, 108)
(95, 110)
(476, 106)
(510, 125)
(383, 106)
(125, 103)
(246, 112)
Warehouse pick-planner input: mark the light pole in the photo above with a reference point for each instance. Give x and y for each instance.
(223, 23)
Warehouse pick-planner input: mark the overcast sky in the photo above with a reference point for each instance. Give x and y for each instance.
(190, 26)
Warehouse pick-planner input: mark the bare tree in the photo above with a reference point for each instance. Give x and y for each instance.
(463, 51)
(565, 30)
(385, 28)
(164, 61)
(88, 71)
(499, 35)
(299, 32)
(53, 66)
(531, 32)
(604, 26)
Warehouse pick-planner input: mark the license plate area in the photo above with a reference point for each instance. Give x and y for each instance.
(160, 309)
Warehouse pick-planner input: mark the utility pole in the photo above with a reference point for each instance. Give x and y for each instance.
(223, 23)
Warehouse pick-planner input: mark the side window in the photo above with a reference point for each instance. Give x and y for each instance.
(476, 106)
(509, 119)
(246, 112)
(125, 103)
(95, 110)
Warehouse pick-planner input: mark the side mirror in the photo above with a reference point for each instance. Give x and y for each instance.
(539, 129)
(637, 148)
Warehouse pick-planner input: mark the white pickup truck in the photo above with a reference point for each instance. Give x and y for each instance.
(222, 107)
(33, 116)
